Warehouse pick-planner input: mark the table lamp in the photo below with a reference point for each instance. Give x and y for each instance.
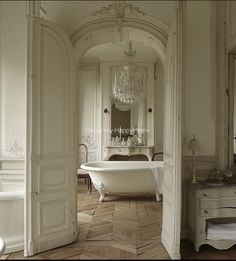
(194, 147)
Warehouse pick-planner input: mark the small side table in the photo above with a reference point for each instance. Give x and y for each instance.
(209, 202)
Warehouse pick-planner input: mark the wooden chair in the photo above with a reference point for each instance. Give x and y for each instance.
(158, 155)
(83, 174)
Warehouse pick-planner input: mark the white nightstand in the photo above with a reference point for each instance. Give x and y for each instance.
(208, 202)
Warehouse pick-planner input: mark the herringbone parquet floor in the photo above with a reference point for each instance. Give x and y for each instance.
(123, 227)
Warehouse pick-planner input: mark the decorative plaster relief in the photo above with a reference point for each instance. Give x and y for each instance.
(15, 151)
(89, 140)
(119, 10)
(89, 40)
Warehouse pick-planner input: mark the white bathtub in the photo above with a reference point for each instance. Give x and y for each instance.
(126, 176)
(12, 220)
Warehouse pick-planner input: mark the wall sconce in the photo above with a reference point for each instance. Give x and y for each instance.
(106, 110)
(150, 110)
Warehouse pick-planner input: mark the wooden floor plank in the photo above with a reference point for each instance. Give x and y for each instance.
(123, 227)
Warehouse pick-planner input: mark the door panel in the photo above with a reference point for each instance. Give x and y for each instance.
(54, 96)
(51, 170)
(172, 144)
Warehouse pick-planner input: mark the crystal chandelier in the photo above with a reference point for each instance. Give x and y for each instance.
(129, 83)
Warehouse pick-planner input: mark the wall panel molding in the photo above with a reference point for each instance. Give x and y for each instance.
(89, 111)
(12, 164)
(12, 174)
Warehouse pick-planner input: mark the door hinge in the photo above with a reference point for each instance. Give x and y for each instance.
(33, 192)
(34, 156)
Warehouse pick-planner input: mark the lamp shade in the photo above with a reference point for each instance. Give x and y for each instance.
(193, 144)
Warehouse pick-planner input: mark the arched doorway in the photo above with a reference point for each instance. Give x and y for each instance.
(41, 161)
(146, 35)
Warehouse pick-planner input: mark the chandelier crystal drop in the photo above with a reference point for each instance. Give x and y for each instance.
(129, 83)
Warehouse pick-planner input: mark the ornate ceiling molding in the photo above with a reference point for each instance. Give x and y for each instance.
(111, 22)
(119, 10)
(119, 15)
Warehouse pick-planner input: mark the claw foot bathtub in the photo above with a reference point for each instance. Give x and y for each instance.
(126, 177)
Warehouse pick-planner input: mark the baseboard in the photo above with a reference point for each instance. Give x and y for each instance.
(14, 246)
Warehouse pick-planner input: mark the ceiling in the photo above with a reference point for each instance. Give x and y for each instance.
(114, 52)
(68, 13)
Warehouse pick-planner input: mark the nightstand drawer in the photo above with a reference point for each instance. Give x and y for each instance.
(218, 212)
(217, 193)
(218, 203)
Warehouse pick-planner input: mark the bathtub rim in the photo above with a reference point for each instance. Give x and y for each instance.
(12, 195)
(15, 243)
(86, 166)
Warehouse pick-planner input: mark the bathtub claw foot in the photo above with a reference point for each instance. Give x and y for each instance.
(102, 198)
(158, 197)
(101, 190)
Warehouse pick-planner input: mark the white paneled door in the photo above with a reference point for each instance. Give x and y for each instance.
(50, 205)
(172, 141)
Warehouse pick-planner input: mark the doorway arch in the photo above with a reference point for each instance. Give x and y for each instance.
(105, 32)
(152, 36)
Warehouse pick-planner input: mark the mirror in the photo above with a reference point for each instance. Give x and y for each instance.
(120, 119)
(128, 121)
(128, 124)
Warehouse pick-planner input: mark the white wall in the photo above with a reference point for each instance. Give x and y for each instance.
(13, 29)
(210, 33)
(13, 48)
(89, 110)
(199, 96)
